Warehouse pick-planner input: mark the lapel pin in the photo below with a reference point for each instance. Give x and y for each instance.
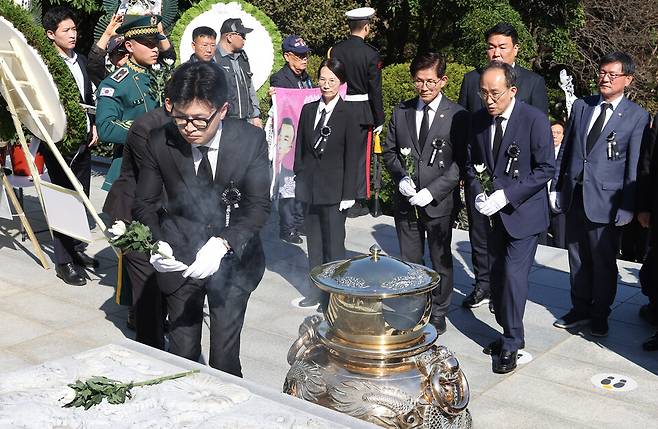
(441, 115)
(619, 113)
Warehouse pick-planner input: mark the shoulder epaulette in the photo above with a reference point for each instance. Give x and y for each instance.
(120, 74)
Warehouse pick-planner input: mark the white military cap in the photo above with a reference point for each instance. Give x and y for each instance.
(360, 13)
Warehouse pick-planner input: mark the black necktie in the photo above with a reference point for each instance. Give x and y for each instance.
(320, 124)
(597, 127)
(424, 127)
(498, 136)
(204, 172)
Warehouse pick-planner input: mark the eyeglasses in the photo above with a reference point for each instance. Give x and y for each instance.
(198, 123)
(484, 95)
(431, 84)
(612, 76)
(330, 81)
(300, 57)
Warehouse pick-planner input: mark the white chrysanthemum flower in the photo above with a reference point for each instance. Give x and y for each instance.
(479, 168)
(118, 229)
(155, 67)
(168, 61)
(405, 151)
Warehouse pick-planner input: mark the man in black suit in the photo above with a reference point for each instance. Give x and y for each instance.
(147, 300)
(216, 177)
(502, 45)
(512, 140)
(61, 29)
(433, 130)
(364, 95)
(596, 186)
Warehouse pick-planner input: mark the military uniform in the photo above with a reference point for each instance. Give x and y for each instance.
(364, 96)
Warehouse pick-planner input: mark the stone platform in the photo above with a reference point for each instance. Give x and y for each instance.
(43, 319)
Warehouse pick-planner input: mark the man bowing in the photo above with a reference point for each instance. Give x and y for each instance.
(215, 174)
(513, 140)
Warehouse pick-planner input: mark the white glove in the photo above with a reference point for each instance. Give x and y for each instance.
(407, 187)
(163, 264)
(346, 204)
(554, 199)
(493, 203)
(207, 259)
(623, 217)
(422, 198)
(479, 201)
(378, 130)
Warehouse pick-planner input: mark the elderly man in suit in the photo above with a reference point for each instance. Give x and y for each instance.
(596, 186)
(215, 173)
(432, 130)
(512, 139)
(502, 45)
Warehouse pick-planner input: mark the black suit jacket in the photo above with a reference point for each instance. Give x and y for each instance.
(531, 89)
(331, 178)
(194, 213)
(526, 213)
(450, 125)
(286, 78)
(119, 201)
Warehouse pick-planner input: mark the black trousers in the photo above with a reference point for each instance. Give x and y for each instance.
(592, 251)
(511, 262)
(80, 163)
(412, 234)
(147, 300)
(228, 292)
(478, 231)
(291, 215)
(325, 239)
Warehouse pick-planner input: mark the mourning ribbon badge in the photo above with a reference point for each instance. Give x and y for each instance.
(321, 140)
(611, 146)
(231, 197)
(513, 152)
(437, 151)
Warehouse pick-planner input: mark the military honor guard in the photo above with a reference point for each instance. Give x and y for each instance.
(424, 151)
(215, 173)
(510, 159)
(502, 45)
(363, 68)
(69, 253)
(596, 186)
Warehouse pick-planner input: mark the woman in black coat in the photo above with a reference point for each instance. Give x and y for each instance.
(325, 167)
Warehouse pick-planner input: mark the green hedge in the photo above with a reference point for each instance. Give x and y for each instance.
(76, 126)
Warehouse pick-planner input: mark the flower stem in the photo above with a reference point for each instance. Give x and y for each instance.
(165, 378)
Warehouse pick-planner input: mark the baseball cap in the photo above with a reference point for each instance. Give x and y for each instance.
(115, 42)
(234, 25)
(294, 44)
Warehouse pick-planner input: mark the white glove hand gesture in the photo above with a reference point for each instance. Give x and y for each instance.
(554, 199)
(407, 187)
(623, 217)
(164, 264)
(422, 198)
(378, 130)
(346, 204)
(207, 259)
(492, 204)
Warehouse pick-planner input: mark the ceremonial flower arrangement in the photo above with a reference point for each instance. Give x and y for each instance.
(160, 74)
(409, 166)
(135, 236)
(92, 391)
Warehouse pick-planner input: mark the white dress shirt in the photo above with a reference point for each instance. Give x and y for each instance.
(76, 71)
(505, 115)
(608, 113)
(213, 151)
(434, 104)
(328, 107)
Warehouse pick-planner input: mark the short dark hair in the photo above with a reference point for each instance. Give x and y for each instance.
(627, 63)
(336, 66)
(510, 73)
(357, 24)
(428, 60)
(201, 81)
(504, 29)
(57, 14)
(203, 31)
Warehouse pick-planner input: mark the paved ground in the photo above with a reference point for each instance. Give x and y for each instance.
(43, 319)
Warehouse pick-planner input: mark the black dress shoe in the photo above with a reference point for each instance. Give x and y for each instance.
(131, 323)
(647, 314)
(440, 324)
(308, 302)
(358, 209)
(651, 345)
(69, 274)
(506, 362)
(599, 328)
(477, 298)
(291, 237)
(85, 260)
(571, 320)
(493, 348)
